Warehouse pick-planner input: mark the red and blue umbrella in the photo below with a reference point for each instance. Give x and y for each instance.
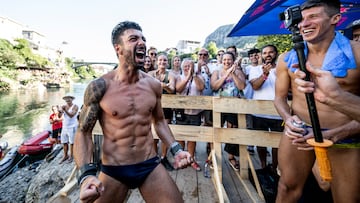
(262, 18)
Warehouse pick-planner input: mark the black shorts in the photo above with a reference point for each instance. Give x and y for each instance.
(208, 117)
(168, 113)
(229, 117)
(56, 133)
(194, 120)
(260, 123)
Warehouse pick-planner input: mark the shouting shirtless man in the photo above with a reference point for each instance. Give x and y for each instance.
(328, 50)
(126, 101)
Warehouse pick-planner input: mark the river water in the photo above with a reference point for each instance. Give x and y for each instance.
(24, 113)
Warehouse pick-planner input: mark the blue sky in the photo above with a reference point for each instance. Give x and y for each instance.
(86, 25)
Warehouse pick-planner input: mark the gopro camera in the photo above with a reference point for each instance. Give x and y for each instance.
(291, 16)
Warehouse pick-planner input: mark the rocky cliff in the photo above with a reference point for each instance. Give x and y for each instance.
(219, 37)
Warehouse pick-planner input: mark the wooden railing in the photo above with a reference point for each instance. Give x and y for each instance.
(218, 135)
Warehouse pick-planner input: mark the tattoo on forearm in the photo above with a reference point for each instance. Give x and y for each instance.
(88, 117)
(91, 110)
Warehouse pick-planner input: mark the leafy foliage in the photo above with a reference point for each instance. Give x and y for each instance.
(211, 47)
(12, 56)
(32, 60)
(68, 62)
(282, 42)
(8, 56)
(86, 72)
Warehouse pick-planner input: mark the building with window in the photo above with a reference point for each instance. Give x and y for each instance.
(11, 30)
(187, 46)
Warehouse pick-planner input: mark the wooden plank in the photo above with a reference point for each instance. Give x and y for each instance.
(232, 184)
(243, 106)
(206, 188)
(186, 102)
(243, 162)
(218, 158)
(190, 133)
(241, 120)
(217, 179)
(255, 177)
(247, 137)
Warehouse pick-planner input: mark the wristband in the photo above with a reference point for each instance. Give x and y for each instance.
(175, 148)
(85, 171)
(80, 181)
(264, 77)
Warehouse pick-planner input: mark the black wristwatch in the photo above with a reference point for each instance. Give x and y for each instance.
(86, 170)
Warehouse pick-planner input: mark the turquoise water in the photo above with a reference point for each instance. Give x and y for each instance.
(24, 113)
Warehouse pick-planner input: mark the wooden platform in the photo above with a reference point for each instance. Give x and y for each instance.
(225, 184)
(194, 186)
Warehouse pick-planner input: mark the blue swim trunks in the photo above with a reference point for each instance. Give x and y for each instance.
(133, 175)
(345, 143)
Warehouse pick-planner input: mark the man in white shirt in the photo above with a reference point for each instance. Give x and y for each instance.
(70, 123)
(262, 79)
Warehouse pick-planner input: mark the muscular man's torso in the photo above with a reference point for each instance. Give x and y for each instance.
(328, 117)
(126, 120)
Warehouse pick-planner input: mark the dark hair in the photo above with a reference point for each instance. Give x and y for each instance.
(120, 28)
(232, 46)
(332, 7)
(151, 48)
(173, 59)
(231, 53)
(270, 45)
(253, 51)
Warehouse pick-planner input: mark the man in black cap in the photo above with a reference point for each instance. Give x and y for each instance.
(329, 50)
(355, 27)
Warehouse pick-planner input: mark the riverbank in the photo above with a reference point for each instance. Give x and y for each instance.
(35, 183)
(24, 78)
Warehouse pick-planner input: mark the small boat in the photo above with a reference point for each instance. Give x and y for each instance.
(53, 85)
(7, 162)
(37, 144)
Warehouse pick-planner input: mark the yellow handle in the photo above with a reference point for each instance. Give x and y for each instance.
(324, 163)
(322, 158)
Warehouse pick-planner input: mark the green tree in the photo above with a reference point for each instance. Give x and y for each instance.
(282, 42)
(31, 59)
(184, 56)
(212, 48)
(86, 72)
(8, 56)
(170, 55)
